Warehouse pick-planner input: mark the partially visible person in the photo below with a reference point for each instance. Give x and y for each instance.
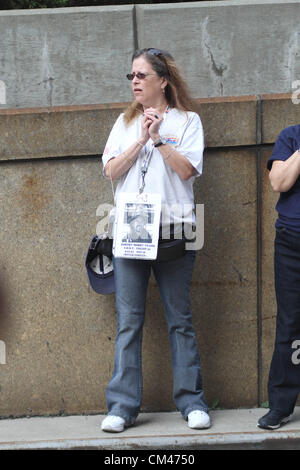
(284, 376)
(156, 146)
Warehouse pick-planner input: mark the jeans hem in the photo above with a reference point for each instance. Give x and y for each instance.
(128, 420)
(194, 408)
(284, 413)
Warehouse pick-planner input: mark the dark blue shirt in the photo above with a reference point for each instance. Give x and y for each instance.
(288, 205)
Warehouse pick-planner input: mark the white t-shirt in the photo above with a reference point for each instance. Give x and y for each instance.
(180, 129)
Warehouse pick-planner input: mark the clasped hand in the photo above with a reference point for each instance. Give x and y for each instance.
(150, 124)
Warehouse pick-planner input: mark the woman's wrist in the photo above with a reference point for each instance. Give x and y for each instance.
(155, 137)
(142, 140)
(127, 158)
(169, 154)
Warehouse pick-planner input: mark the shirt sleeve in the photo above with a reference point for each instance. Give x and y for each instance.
(283, 148)
(192, 143)
(113, 145)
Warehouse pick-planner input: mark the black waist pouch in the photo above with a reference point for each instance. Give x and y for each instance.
(172, 248)
(169, 250)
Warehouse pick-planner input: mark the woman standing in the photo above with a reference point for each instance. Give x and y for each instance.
(156, 146)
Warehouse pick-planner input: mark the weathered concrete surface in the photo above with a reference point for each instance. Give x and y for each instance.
(66, 56)
(278, 112)
(58, 333)
(83, 130)
(73, 131)
(229, 121)
(228, 48)
(225, 282)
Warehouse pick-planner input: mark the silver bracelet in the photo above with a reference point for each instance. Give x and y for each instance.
(140, 143)
(166, 158)
(127, 158)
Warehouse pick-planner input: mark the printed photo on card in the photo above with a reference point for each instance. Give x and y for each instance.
(137, 226)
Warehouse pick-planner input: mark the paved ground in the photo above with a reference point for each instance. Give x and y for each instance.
(231, 429)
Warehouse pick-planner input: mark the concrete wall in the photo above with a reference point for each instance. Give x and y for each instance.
(66, 56)
(58, 333)
(70, 56)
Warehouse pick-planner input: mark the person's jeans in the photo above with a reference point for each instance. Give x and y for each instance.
(284, 377)
(124, 391)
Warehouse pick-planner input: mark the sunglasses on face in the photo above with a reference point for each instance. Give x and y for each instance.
(139, 75)
(142, 76)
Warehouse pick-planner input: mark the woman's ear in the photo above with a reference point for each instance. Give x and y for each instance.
(164, 83)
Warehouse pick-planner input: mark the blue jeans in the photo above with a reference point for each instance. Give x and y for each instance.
(124, 391)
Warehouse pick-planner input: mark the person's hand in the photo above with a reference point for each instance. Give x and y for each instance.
(146, 122)
(156, 119)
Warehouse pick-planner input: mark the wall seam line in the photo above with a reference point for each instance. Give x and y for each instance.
(259, 140)
(135, 29)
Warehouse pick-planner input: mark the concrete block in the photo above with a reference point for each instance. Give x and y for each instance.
(227, 48)
(83, 130)
(73, 131)
(225, 282)
(229, 121)
(58, 333)
(278, 112)
(69, 56)
(66, 56)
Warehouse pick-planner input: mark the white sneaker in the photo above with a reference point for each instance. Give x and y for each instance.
(198, 420)
(113, 424)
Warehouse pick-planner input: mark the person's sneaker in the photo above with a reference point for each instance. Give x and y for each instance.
(198, 419)
(113, 424)
(273, 420)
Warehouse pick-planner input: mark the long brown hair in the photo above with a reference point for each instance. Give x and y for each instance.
(176, 91)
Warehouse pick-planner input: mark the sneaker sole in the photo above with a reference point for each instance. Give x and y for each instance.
(198, 427)
(110, 429)
(204, 426)
(276, 426)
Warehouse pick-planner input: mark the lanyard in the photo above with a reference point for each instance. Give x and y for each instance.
(144, 169)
